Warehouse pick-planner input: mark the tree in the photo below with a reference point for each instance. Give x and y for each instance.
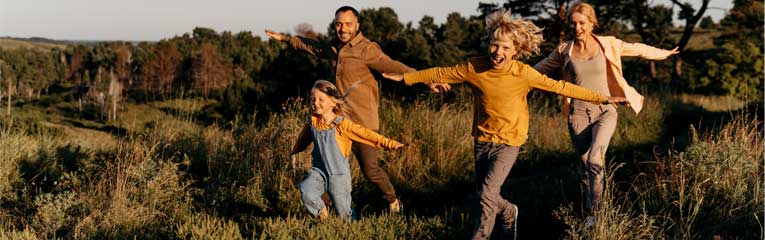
(653, 24)
(161, 71)
(707, 23)
(550, 13)
(744, 22)
(118, 78)
(450, 36)
(210, 72)
(736, 68)
(115, 93)
(379, 25)
(691, 17)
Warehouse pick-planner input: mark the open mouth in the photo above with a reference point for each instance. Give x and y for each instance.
(496, 60)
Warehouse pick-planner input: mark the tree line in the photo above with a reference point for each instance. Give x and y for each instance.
(245, 73)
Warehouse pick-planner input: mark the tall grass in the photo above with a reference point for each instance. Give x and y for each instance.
(711, 189)
(172, 177)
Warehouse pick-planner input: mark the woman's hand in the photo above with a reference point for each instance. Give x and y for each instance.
(394, 76)
(275, 35)
(612, 100)
(674, 51)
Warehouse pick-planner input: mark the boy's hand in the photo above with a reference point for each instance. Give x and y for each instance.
(611, 100)
(399, 146)
(394, 76)
(275, 35)
(439, 87)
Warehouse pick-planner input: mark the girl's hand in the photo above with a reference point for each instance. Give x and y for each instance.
(394, 76)
(439, 87)
(611, 100)
(399, 146)
(275, 35)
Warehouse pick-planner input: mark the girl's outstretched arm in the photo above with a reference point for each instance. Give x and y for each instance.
(360, 134)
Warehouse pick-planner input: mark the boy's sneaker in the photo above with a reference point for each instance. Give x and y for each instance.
(395, 206)
(510, 220)
(590, 221)
(323, 214)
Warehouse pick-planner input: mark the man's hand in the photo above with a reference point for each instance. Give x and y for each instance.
(394, 76)
(611, 100)
(439, 87)
(275, 35)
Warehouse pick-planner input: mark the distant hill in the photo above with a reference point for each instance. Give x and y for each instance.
(43, 44)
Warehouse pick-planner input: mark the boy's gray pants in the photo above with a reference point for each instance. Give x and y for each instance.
(492, 165)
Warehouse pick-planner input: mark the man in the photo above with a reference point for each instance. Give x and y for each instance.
(354, 57)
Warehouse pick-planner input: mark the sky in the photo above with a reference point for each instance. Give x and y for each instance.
(152, 20)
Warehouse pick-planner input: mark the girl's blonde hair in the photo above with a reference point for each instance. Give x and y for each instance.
(331, 90)
(585, 9)
(525, 35)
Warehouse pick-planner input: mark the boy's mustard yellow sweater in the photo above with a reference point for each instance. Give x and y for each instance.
(501, 110)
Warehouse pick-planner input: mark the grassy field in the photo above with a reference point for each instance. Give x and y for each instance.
(688, 167)
(10, 44)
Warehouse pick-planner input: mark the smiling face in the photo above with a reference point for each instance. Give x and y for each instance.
(346, 26)
(502, 50)
(581, 25)
(321, 103)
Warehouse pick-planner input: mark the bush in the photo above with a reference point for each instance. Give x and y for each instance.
(736, 71)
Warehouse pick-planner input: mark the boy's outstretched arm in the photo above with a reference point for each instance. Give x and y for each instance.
(563, 88)
(455, 74)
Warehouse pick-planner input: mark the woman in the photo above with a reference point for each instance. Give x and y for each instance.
(594, 62)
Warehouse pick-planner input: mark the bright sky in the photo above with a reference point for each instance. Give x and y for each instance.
(157, 19)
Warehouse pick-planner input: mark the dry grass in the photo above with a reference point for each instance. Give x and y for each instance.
(172, 178)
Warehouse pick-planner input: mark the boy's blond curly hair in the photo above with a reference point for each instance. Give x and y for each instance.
(525, 35)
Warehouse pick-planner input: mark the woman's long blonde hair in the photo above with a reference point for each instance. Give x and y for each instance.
(525, 35)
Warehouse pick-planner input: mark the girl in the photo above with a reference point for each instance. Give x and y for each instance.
(332, 135)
